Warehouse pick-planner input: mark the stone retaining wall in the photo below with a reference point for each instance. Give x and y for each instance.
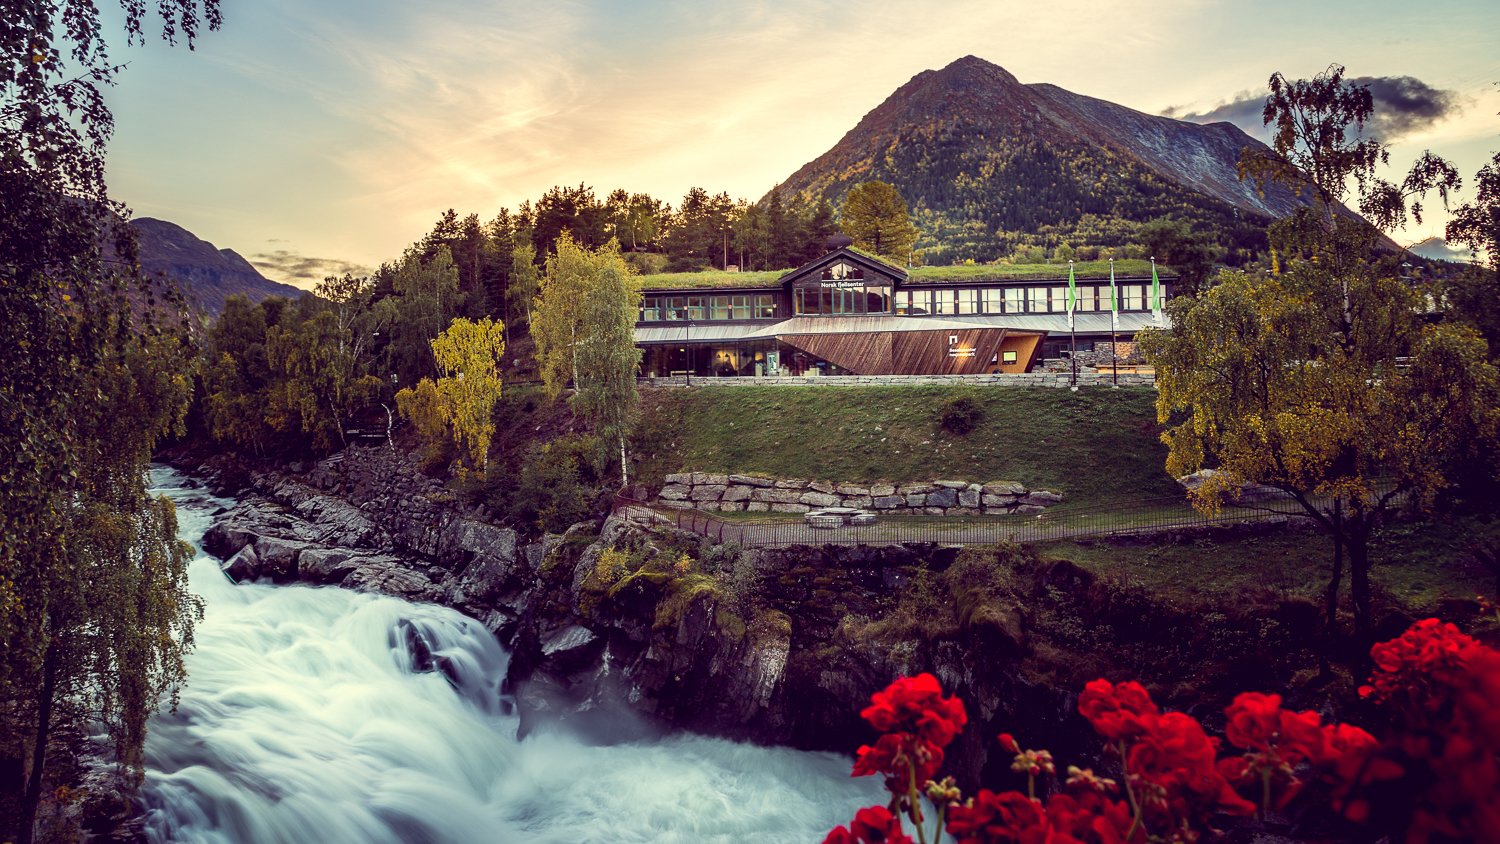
(747, 493)
(1028, 379)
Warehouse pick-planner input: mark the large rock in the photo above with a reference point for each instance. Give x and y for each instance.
(1004, 488)
(679, 478)
(739, 492)
(820, 499)
(675, 492)
(945, 497)
(969, 496)
(391, 575)
(708, 492)
(751, 480)
(776, 496)
(888, 502)
(1243, 492)
(278, 557)
(325, 565)
(1042, 497)
(243, 566)
(225, 538)
(882, 490)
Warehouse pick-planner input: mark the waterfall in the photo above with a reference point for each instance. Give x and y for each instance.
(321, 715)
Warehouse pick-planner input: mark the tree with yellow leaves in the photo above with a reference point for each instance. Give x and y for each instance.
(461, 403)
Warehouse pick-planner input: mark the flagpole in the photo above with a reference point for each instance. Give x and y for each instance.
(1156, 311)
(1114, 324)
(1072, 329)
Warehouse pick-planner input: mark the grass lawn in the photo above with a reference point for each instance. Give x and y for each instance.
(1094, 446)
(1417, 564)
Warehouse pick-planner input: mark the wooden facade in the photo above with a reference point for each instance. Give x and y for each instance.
(962, 351)
(850, 313)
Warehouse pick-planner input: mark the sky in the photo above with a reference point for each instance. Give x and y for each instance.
(317, 137)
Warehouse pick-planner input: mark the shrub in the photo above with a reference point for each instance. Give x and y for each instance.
(961, 415)
(557, 484)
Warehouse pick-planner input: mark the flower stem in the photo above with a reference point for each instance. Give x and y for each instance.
(1135, 807)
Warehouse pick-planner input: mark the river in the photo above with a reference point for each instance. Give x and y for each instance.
(304, 721)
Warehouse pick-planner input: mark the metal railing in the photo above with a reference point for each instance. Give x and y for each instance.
(1150, 516)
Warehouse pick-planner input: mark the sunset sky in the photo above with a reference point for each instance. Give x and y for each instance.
(317, 136)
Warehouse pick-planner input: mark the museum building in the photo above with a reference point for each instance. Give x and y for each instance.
(847, 313)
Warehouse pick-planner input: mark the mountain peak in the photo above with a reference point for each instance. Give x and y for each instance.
(977, 68)
(989, 164)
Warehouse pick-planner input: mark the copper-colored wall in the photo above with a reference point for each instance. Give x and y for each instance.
(919, 352)
(1024, 345)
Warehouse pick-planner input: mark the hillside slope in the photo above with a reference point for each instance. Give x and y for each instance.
(989, 164)
(208, 275)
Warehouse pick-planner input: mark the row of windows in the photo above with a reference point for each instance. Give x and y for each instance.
(845, 298)
(663, 308)
(877, 299)
(1019, 300)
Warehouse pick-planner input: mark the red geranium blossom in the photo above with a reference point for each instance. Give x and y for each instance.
(916, 705)
(903, 758)
(1117, 711)
(871, 825)
(991, 818)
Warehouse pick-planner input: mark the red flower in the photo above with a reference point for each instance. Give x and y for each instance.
(991, 818)
(1254, 721)
(1428, 656)
(1088, 817)
(1175, 761)
(871, 825)
(1117, 711)
(917, 705)
(903, 758)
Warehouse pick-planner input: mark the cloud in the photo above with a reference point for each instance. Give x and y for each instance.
(303, 270)
(1441, 250)
(1404, 105)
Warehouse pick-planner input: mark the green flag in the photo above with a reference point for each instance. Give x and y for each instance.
(1155, 295)
(1072, 296)
(1113, 296)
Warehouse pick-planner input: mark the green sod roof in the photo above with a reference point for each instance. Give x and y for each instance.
(917, 275)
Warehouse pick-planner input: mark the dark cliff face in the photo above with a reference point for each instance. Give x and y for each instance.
(791, 652)
(632, 627)
(970, 144)
(207, 275)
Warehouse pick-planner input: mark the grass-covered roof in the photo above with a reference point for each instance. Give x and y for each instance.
(916, 275)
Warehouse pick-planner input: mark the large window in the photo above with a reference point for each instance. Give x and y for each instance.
(850, 295)
(671, 308)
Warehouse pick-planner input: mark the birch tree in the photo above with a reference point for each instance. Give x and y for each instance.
(583, 322)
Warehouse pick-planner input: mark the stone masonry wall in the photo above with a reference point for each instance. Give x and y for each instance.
(1028, 379)
(747, 493)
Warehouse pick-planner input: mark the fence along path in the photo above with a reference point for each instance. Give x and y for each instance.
(1056, 523)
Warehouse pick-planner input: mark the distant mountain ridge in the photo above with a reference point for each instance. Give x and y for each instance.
(208, 275)
(989, 164)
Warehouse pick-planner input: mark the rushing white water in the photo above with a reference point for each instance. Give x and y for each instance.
(303, 721)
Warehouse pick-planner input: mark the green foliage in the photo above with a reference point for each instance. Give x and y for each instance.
(557, 484)
(1190, 252)
(1476, 224)
(875, 215)
(584, 326)
(961, 415)
(468, 354)
(422, 406)
(288, 376)
(94, 613)
(428, 299)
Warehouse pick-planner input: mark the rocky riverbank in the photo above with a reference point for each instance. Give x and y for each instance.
(630, 626)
